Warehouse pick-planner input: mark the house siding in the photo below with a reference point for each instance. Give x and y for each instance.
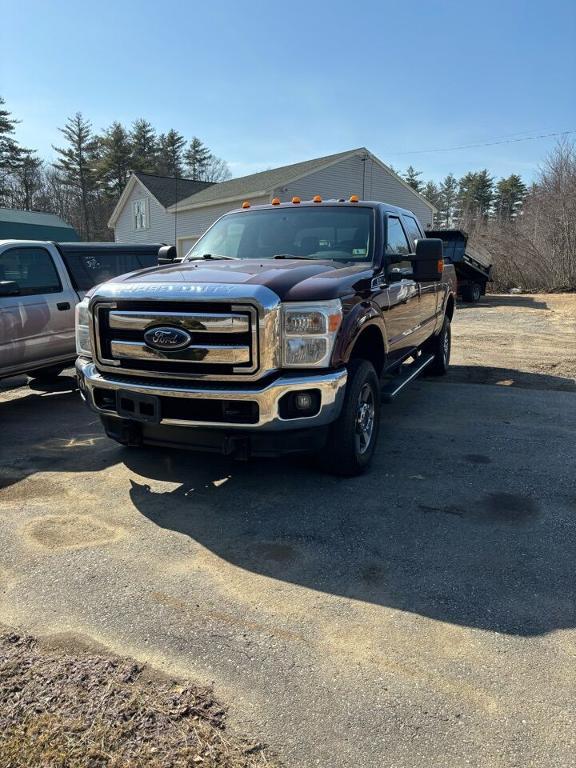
(347, 178)
(338, 180)
(161, 223)
(195, 221)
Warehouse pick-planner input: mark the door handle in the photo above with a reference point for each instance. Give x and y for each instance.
(63, 305)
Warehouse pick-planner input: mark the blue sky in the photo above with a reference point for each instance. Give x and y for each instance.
(270, 83)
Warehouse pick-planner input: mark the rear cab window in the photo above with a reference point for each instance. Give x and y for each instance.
(413, 230)
(32, 268)
(90, 268)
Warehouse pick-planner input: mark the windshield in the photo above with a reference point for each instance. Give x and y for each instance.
(340, 233)
(90, 269)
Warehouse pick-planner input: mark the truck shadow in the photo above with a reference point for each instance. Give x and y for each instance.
(521, 301)
(48, 429)
(460, 541)
(458, 520)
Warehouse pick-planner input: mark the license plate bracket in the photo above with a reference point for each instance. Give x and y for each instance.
(138, 407)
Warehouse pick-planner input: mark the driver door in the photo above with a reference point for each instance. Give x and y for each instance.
(37, 324)
(403, 315)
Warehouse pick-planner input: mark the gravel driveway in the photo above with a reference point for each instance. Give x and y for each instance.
(423, 615)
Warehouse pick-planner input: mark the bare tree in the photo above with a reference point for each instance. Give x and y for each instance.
(216, 169)
(536, 249)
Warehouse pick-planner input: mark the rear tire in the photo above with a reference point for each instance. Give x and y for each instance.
(353, 436)
(472, 293)
(46, 374)
(440, 347)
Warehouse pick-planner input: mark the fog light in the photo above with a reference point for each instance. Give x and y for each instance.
(303, 401)
(298, 405)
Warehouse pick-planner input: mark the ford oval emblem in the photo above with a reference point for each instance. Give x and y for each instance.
(166, 338)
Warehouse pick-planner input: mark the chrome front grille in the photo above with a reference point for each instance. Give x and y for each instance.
(224, 339)
(135, 320)
(235, 330)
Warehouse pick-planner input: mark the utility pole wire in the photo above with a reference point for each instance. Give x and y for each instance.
(484, 144)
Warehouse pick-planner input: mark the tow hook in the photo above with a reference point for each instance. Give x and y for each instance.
(236, 447)
(131, 434)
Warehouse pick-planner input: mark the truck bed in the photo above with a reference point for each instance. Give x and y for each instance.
(461, 253)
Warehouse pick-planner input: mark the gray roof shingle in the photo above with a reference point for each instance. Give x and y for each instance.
(263, 181)
(168, 190)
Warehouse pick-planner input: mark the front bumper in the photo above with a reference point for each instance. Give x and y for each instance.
(330, 385)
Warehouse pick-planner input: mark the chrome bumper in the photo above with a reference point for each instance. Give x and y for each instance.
(331, 386)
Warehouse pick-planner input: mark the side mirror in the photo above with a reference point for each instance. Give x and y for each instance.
(9, 288)
(167, 254)
(428, 261)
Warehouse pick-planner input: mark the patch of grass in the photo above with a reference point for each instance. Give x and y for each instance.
(82, 710)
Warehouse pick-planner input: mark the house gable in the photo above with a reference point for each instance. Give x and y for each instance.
(160, 224)
(364, 175)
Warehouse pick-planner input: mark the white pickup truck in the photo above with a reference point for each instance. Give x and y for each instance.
(40, 285)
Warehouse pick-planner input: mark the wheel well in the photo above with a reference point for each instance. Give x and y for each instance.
(370, 346)
(450, 308)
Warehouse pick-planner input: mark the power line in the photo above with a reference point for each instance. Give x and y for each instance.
(485, 144)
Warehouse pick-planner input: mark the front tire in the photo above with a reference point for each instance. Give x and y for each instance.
(353, 436)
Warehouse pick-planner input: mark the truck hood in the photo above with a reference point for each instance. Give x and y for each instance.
(290, 279)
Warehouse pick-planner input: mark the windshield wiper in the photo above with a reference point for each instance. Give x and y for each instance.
(210, 257)
(288, 256)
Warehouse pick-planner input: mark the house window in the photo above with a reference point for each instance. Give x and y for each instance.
(140, 214)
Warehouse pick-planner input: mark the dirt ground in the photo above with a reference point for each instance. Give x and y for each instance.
(63, 705)
(421, 616)
(523, 341)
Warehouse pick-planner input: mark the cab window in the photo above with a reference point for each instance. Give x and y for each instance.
(397, 245)
(412, 229)
(32, 268)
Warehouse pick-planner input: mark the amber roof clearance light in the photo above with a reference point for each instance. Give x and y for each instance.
(353, 198)
(245, 204)
(317, 199)
(296, 200)
(275, 201)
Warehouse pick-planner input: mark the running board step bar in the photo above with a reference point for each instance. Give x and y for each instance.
(397, 384)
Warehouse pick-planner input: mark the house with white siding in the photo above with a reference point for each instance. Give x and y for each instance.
(178, 211)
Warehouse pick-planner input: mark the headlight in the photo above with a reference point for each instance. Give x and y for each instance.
(83, 344)
(308, 333)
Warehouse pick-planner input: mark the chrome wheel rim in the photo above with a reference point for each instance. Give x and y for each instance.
(365, 414)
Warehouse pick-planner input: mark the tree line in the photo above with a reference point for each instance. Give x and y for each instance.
(476, 194)
(529, 231)
(91, 169)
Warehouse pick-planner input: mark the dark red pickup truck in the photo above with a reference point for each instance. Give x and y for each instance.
(282, 330)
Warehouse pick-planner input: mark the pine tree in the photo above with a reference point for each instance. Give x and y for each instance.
(11, 154)
(144, 147)
(28, 180)
(509, 196)
(115, 161)
(431, 192)
(77, 163)
(448, 193)
(9, 148)
(197, 158)
(411, 178)
(475, 193)
(170, 153)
